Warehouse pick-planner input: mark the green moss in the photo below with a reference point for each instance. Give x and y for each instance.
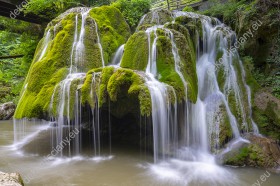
(126, 84)
(225, 133)
(240, 158)
(45, 74)
(166, 63)
(85, 90)
(123, 90)
(124, 78)
(136, 52)
(251, 155)
(268, 120)
(221, 78)
(114, 31)
(166, 67)
(105, 77)
(145, 102)
(250, 80)
(194, 25)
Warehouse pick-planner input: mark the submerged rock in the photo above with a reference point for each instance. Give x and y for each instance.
(7, 110)
(10, 179)
(258, 151)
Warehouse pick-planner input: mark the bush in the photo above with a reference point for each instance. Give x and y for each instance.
(188, 9)
(133, 10)
(228, 12)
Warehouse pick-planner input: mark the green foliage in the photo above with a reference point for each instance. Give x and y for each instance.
(133, 10)
(269, 82)
(18, 27)
(99, 2)
(173, 4)
(229, 11)
(13, 71)
(188, 9)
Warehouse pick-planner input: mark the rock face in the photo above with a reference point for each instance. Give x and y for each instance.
(10, 179)
(267, 114)
(256, 152)
(7, 110)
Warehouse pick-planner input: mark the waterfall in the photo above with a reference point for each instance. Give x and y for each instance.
(164, 127)
(201, 123)
(68, 109)
(181, 130)
(118, 56)
(45, 45)
(99, 43)
(95, 113)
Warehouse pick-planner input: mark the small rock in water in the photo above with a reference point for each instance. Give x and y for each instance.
(10, 179)
(53, 124)
(7, 110)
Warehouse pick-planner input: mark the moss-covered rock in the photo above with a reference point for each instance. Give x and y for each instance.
(136, 57)
(267, 114)
(260, 152)
(194, 25)
(225, 133)
(123, 90)
(155, 17)
(136, 52)
(46, 73)
(114, 31)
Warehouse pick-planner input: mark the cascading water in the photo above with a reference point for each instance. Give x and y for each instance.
(202, 120)
(45, 45)
(118, 56)
(201, 124)
(69, 112)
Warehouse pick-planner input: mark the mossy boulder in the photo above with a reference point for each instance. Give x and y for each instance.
(136, 57)
(136, 52)
(256, 152)
(45, 74)
(267, 114)
(122, 91)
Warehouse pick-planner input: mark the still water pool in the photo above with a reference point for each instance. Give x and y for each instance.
(125, 166)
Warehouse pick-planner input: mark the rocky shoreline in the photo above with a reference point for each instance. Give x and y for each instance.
(10, 179)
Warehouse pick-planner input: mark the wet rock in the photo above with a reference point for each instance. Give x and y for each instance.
(10, 179)
(258, 151)
(267, 114)
(7, 110)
